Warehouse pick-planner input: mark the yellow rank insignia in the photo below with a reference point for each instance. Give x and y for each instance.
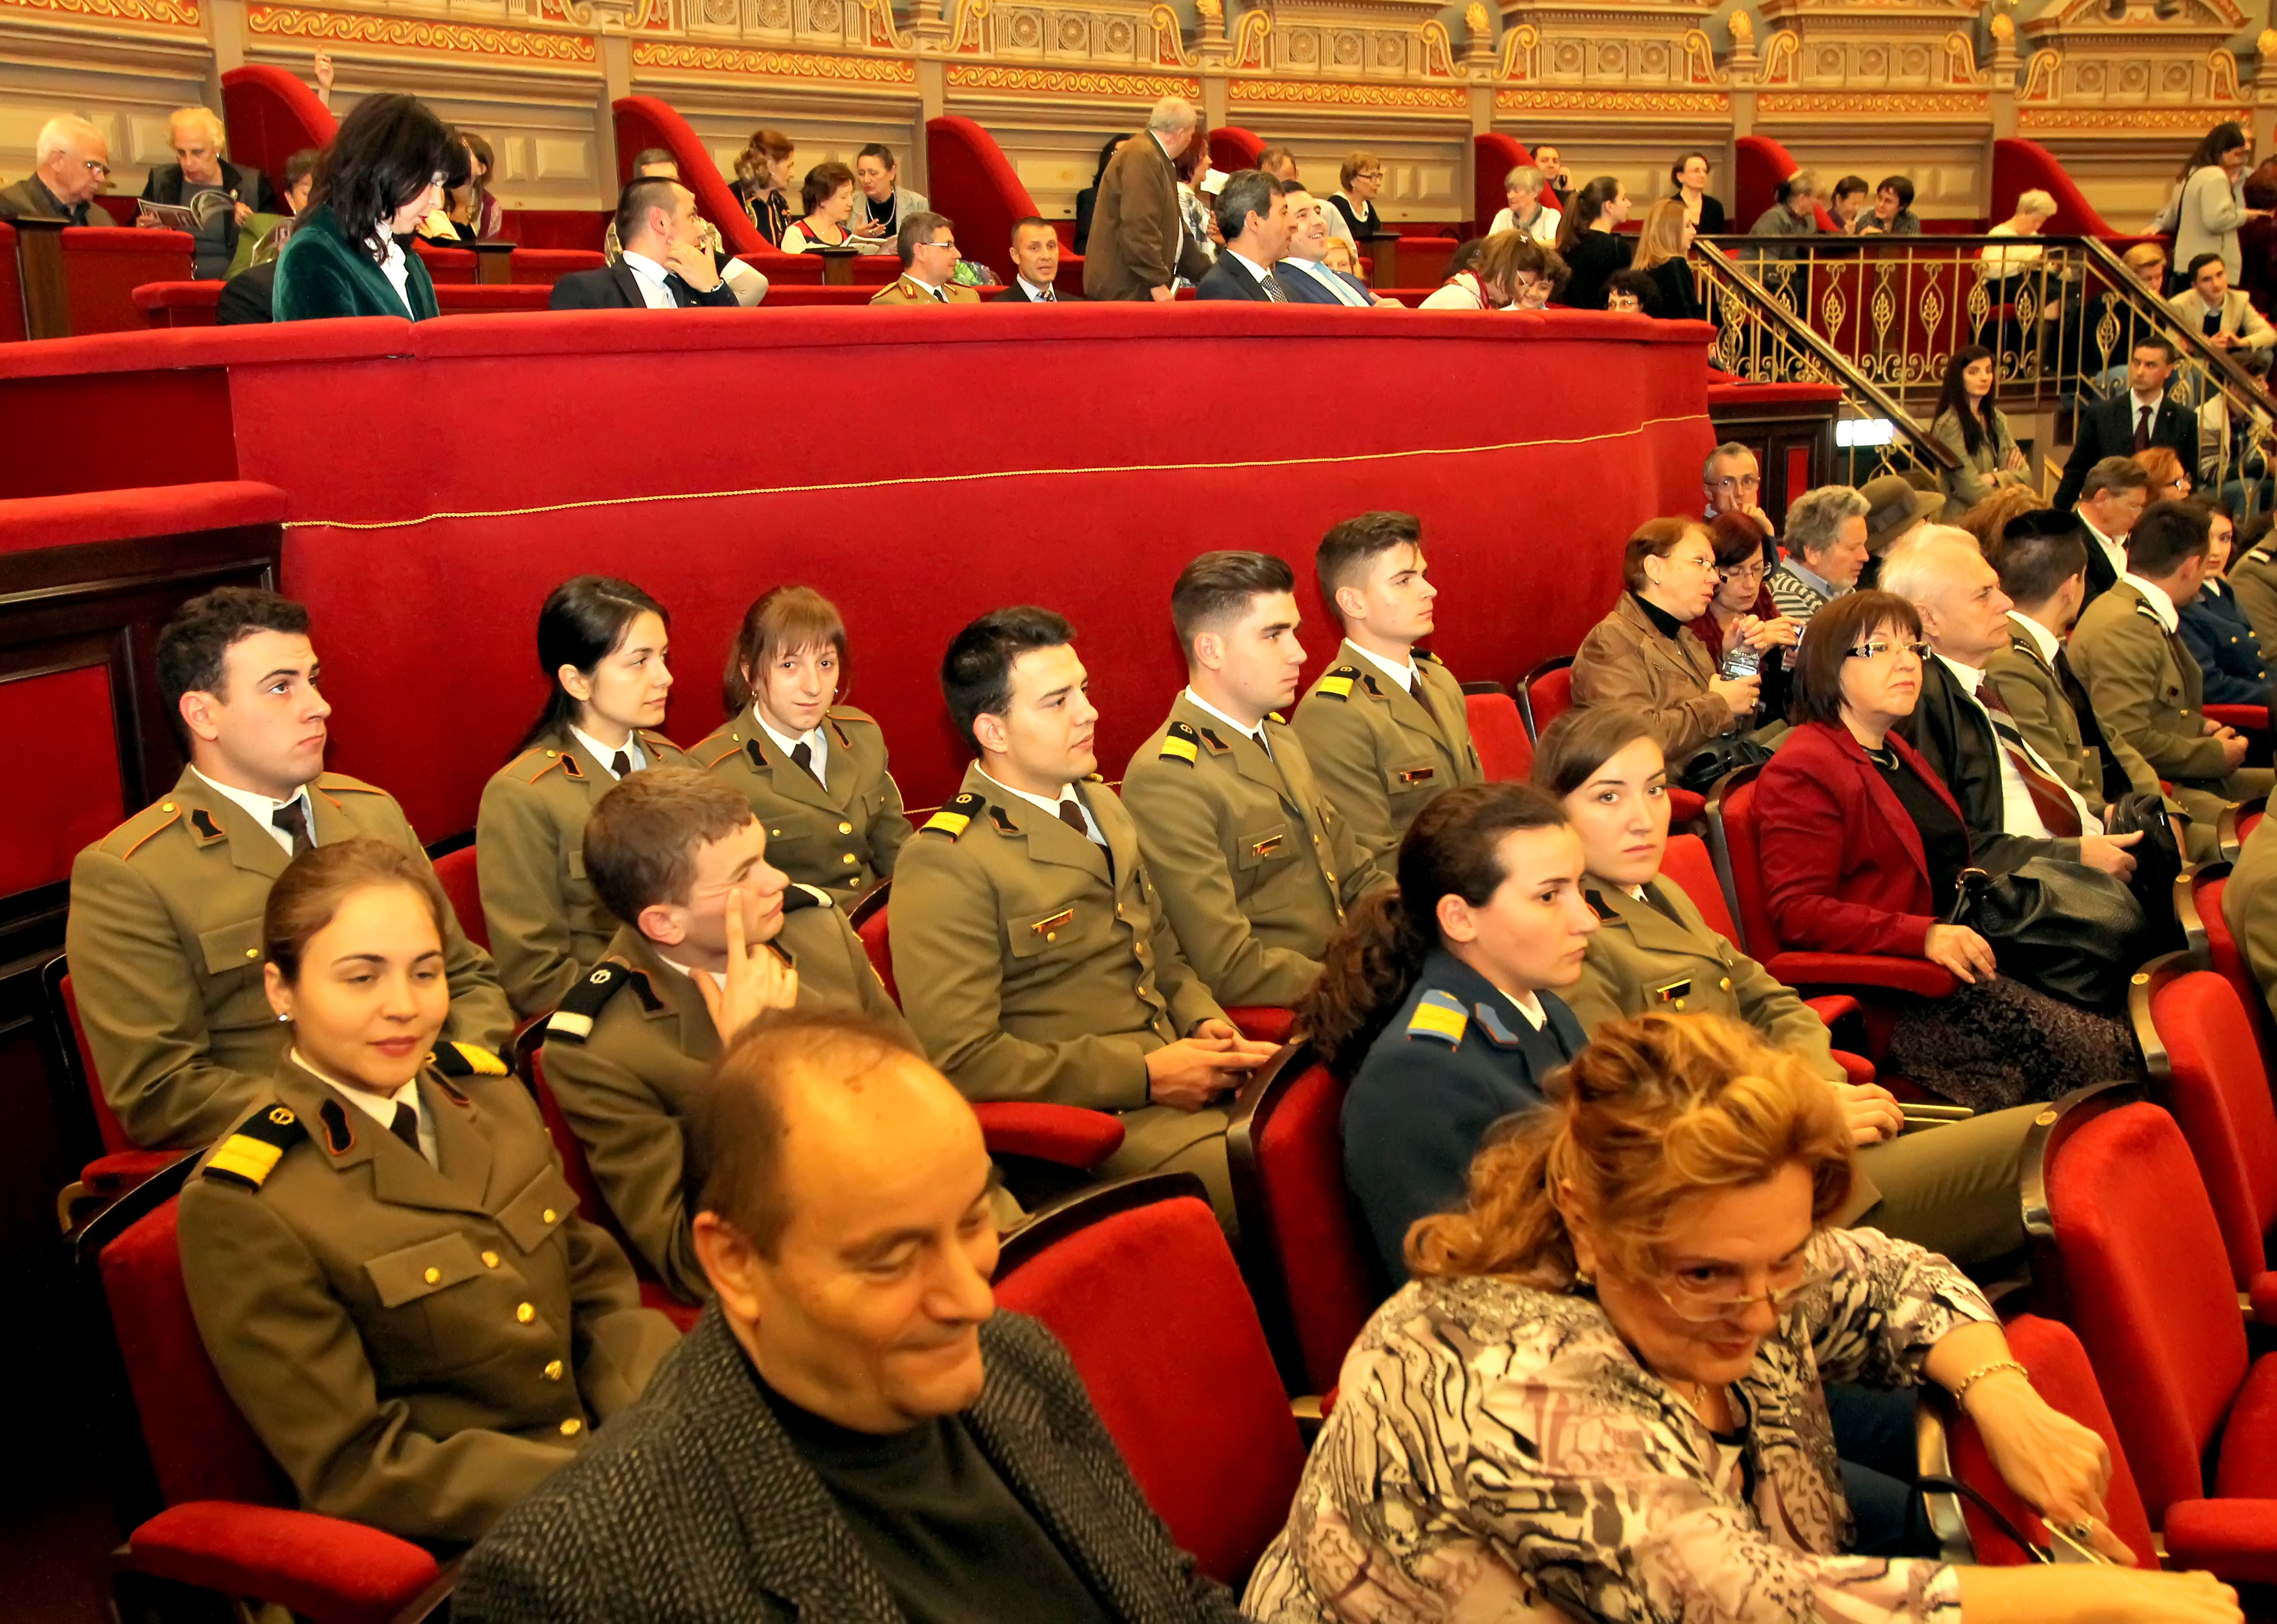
(1440, 1015)
(1178, 745)
(951, 819)
(249, 1155)
(1338, 683)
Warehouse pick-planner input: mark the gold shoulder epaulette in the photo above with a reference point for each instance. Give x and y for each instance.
(1440, 1015)
(535, 763)
(250, 1154)
(456, 1060)
(1338, 683)
(341, 781)
(572, 1021)
(130, 836)
(953, 818)
(1180, 743)
(722, 744)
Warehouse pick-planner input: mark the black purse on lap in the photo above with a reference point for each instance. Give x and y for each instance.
(2072, 931)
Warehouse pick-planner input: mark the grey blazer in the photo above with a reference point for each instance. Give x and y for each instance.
(692, 1507)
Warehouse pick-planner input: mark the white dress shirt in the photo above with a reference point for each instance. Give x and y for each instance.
(813, 739)
(1529, 1005)
(1036, 295)
(601, 753)
(719, 977)
(1245, 729)
(650, 278)
(2018, 815)
(395, 268)
(2114, 550)
(1404, 675)
(1251, 266)
(379, 1107)
(2161, 605)
(1319, 271)
(263, 808)
(1066, 797)
(2046, 641)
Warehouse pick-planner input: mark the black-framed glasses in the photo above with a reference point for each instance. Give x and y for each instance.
(1876, 648)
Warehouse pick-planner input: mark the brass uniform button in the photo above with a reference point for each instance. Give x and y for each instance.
(433, 1276)
(1725, 983)
(553, 1369)
(253, 952)
(525, 1313)
(549, 1215)
(572, 1427)
(846, 829)
(1051, 936)
(490, 1260)
(166, 806)
(850, 857)
(1680, 1006)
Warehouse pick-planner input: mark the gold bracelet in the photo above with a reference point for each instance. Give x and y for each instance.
(1981, 1371)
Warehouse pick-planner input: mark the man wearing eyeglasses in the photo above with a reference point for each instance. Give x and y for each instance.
(1732, 481)
(927, 245)
(74, 164)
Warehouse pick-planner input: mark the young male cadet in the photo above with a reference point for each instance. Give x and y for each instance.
(1254, 866)
(1384, 728)
(1030, 943)
(851, 1432)
(164, 928)
(709, 936)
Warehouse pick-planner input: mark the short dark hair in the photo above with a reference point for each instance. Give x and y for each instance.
(1848, 184)
(300, 165)
(2167, 535)
(733, 1162)
(642, 837)
(2199, 261)
(1350, 545)
(1579, 741)
(822, 183)
(387, 152)
(1027, 220)
(916, 231)
(1639, 285)
(1246, 192)
(194, 645)
(652, 155)
(642, 193)
(1835, 629)
(780, 621)
(2038, 552)
(2116, 474)
(882, 152)
(976, 674)
(1218, 588)
(2155, 341)
(1900, 184)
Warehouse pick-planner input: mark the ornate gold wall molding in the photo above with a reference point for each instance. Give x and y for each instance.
(1071, 81)
(1882, 104)
(173, 14)
(2120, 121)
(1314, 92)
(419, 34)
(1685, 104)
(744, 60)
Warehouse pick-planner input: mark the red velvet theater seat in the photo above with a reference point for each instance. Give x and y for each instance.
(642, 122)
(1232, 148)
(1505, 748)
(104, 265)
(1762, 164)
(1135, 1279)
(974, 184)
(2019, 166)
(454, 871)
(2061, 1375)
(122, 1166)
(1547, 694)
(2154, 1302)
(545, 267)
(2198, 1044)
(12, 288)
(2198, 905)
(225, 1520)
(1310, 1267)
(178, 304)
(271, 116)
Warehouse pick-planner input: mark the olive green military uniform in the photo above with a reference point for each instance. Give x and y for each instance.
(2253, 575)
(1379, 752)
(1032, 971)
(2147, 690)
(1254, 866)
(843, 836)
(633, 1042)
(165, 938)
(418, 1344)
(1952, 1188)
(546, 925)
(2249, 904)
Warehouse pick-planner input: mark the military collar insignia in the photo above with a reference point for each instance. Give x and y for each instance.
(339, 1138)
(1217, 745)
(1498, 1030)
(1274, 716)
(757, 752)
(838, 731)
(202, 822)
(953, 818)
(1599, 905)
(1002, 820)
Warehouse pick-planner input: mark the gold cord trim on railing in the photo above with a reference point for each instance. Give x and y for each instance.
(961, 479)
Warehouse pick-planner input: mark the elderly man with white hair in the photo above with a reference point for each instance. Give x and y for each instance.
(72, 162)
(1825, 551)
(1139, 245)
(2034, 210)
(197, 136)
(2016, 804)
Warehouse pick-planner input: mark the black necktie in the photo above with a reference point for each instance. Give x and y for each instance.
(2142, 427)
(1071, 815)
(622, 764)
(405, 1125)
(940, 297)
(293, 818)
(1272, 289)
(802, 754)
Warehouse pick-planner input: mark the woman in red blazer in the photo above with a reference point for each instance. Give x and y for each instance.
(1862, 850)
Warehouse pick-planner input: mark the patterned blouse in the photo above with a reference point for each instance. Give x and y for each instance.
(1497, 1454)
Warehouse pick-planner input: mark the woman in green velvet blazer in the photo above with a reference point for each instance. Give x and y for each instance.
(384, 172)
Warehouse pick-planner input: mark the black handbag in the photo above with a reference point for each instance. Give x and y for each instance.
(2158, 864)
(2072, 931)
(1727, 753)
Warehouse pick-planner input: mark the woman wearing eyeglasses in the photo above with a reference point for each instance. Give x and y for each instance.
(1602, 1396)
(1643, 656)
(2169, 481)
(1358, 182)
(1741, 616)
(1862, 850)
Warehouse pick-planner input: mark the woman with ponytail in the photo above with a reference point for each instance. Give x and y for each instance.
(1601, 1399)
(1435, 997)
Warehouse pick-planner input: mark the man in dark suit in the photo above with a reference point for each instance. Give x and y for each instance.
(1304, 271)
(665, 265)
(2016, 804)
(1138, 247)
(1253, 216)
(2135, 421)
(851, 1431)
(1035, 264)
(2111, 496)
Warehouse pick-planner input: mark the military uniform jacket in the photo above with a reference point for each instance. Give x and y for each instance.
(546, 925)
(907, 290)
(1378, 753)
(633, 1042)
(1254, 866)
(418, 1345)
(1657, 955)
(2249, 904)
(164, 937)
(2145, 687)
(2034, 693)
(842, 838)
(1027, 968)
(1456, 1059)
(2253, 575)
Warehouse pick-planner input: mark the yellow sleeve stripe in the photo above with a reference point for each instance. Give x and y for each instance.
(1182, 748)
(251, 1159)
(948, 822)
